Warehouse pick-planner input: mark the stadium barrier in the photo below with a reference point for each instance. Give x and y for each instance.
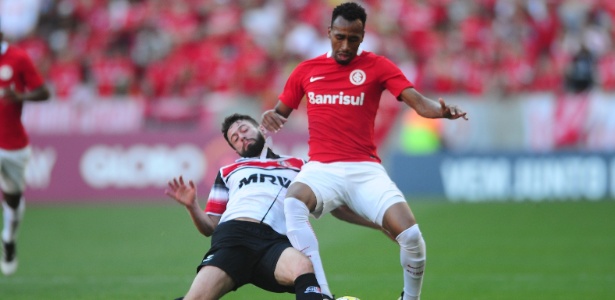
(132, 166)
(506, 176)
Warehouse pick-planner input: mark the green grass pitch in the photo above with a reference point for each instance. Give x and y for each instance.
(554, 250)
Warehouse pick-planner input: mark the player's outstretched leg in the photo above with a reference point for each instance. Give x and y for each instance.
(302, 237)
(412, 256)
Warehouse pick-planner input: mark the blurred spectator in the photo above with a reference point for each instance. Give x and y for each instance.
(606, 70)
(113, 73)
(65, 75)
(19, 18)
(547, 77)
(580, 72)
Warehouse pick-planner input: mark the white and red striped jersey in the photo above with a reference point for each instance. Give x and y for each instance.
(254, 188)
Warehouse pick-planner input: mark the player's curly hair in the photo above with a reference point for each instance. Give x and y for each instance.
(228, 121)
(349, 11)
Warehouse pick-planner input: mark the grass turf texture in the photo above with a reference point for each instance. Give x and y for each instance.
(557, 250)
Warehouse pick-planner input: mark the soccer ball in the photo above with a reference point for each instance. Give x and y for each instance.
(347, 298)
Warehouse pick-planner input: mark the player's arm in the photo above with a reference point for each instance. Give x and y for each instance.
(429, 108)
(35, 90)
(273, 120)
(186, 195)
(39, 94)
(344, 213)
(203, 221)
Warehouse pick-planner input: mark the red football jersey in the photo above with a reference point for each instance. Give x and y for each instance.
(342, 101)
(17, 70)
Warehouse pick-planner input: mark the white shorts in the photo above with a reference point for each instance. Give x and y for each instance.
(13, 169)
(364, 186)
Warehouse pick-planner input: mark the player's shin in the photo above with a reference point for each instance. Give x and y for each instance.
(412, 256)
(12, 219)
(302, 237)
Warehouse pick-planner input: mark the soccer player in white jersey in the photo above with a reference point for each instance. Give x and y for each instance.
(244, 215)
(19, 82)
(343, 89)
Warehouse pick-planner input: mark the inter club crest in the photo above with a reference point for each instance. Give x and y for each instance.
(357, 77)
(6, 72)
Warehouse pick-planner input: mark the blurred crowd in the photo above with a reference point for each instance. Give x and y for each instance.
(199, 50)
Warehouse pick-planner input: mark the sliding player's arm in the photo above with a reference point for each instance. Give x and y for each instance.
(186, 195)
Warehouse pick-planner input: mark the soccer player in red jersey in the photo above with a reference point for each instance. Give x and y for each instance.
(19, 82)
(343, 89)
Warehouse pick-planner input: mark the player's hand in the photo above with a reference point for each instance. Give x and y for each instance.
(182, 193)
(272, 121)
(9, 94)
(451, 112)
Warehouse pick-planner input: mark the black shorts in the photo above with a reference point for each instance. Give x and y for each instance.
(248, 252)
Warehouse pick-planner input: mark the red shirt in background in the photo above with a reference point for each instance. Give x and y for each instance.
(112, 72)
(65, 75)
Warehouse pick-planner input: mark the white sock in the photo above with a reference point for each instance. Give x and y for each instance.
(412, 256)
(12, 218)
(303, 238)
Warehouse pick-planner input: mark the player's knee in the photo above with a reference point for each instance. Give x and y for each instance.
(291, 265)
(302, 192)
(12, 199)
(411, 238)
(398, 217)
(303, 265)
(413, 254)
(294, 208)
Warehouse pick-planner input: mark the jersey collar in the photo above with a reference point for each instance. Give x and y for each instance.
(3, 47)
(270, 155)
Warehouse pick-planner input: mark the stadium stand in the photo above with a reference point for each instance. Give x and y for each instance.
(174, 56)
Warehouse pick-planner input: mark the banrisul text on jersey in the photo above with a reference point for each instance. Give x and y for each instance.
(336, 99)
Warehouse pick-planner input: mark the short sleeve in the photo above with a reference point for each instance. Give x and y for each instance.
(392, 77)
(218, 197)
(293, 90)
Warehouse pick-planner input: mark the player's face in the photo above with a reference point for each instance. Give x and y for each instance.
(245, 138)
(345, 36)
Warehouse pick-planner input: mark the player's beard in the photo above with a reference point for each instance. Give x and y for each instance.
(254, 149)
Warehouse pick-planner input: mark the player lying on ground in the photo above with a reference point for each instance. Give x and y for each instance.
(244, 215)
